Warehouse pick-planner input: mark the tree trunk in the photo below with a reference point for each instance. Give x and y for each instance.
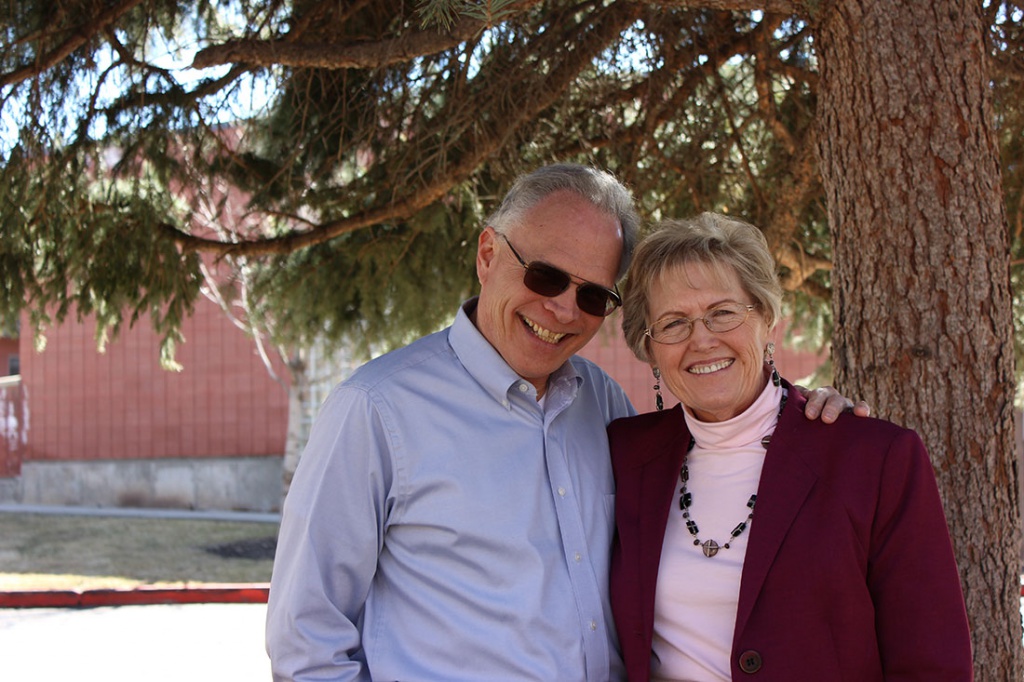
(921, 281)
(298, 423)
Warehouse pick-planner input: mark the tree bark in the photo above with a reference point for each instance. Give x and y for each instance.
(921, 291)
(298, 428)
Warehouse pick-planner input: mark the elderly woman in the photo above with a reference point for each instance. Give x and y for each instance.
(754, 543)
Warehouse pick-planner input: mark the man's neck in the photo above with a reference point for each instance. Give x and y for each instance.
(542, 389)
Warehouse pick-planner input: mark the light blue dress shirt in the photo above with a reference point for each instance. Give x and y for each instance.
(443, 526)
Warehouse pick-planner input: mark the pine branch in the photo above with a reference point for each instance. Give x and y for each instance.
(507, 116)
(353, 55)
(785, 7)
(790, 206)
(80, 36)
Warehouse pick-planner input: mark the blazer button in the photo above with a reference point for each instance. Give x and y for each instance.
(750, 661)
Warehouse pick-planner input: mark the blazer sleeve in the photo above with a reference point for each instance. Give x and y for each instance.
(912, 575)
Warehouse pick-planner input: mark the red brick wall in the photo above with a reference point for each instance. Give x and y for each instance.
(84, 405)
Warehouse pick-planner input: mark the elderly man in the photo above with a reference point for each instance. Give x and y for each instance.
(452, 514)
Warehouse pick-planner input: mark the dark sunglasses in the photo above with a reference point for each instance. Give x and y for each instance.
(547, 280)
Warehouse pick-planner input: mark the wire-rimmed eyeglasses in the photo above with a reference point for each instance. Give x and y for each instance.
(547, 280)
(723, 318)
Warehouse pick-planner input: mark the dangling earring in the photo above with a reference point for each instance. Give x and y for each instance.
(658, 402)
(769, 356)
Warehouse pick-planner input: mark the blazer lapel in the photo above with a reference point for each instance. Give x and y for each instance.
(789, 480)
(659, 459)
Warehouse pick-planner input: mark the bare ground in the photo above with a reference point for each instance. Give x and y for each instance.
(50, 552)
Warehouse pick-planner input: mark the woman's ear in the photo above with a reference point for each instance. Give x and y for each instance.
(774, 333)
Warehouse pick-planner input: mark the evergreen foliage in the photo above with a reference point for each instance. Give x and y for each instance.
(328, 164)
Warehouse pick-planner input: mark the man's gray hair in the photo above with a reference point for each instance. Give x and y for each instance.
(598, 187)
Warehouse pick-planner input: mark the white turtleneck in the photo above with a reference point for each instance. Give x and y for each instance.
(695, 606)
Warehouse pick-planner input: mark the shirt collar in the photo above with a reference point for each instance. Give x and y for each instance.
(746, 428)
(490, 370)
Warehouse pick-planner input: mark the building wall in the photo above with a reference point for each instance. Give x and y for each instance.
(114, 429)
(223, 483)
(86, 405)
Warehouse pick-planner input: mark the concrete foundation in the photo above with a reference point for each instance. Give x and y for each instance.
(224, 483)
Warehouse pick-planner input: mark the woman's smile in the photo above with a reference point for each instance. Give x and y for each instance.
(716, 375)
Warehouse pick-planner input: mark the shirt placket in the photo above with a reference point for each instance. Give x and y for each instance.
(586, 591)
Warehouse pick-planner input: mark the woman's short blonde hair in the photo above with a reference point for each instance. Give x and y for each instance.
(711, 239)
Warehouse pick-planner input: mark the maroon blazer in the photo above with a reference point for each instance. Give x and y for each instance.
(849, 572)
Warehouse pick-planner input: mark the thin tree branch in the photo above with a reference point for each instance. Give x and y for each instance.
(361, 55)
(303, 23)
(786, 7)
(80, 37)
(788, 212)
(484, 142)
(763, 82)
(814, 289)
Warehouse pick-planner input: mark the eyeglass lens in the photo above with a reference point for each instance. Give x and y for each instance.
(550, 281)
(722, 319)
(547, 280)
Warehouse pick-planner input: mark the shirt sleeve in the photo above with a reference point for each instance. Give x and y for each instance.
(332, 531)
(920, 615)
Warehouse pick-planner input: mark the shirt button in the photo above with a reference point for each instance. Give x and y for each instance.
(593, 625)
(561, 492)
(577, 557)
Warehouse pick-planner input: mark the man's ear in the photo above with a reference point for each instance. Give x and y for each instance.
(485, 253)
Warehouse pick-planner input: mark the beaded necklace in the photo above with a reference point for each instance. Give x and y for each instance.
(711, 547)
